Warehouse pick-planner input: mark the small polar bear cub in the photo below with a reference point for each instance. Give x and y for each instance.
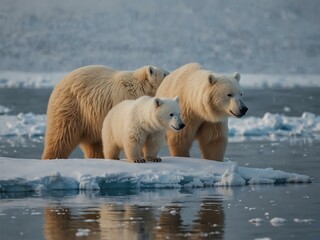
(139, 128)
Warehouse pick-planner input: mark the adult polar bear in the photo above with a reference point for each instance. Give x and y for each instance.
(207, 100)
(81, 101)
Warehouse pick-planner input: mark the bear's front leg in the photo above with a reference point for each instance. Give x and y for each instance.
(132, 149)
(213, 140)
(153, 145)
(180, 142)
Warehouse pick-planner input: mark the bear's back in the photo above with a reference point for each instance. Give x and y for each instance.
(177, 81)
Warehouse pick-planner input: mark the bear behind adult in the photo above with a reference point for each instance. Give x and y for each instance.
(207, 99)
(81, 101)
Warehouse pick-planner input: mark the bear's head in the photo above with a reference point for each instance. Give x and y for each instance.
(155, 76)
(168, 113)
(223, 96)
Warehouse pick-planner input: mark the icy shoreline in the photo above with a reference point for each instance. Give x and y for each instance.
(268, 127)
(26, 175)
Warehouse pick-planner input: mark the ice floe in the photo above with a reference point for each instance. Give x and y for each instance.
(101, 174)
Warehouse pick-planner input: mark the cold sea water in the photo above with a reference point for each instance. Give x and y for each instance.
(243, 212)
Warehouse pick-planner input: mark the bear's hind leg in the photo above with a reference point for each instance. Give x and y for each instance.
(59, 146)
(111, 151)
(92, 150)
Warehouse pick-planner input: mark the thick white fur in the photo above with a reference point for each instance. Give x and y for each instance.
(207, 99)
(139, 128)
(81, 101)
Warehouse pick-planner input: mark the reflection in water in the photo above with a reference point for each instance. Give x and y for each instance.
(202, 218)
(209, 221)
(61, 223)
(127, 222)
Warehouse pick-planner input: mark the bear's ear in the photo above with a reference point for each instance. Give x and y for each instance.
(212, 79)
(177, 99)
(150, 70)
(157, 102)
(237, 76)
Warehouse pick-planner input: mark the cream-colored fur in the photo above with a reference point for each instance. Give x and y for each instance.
(81, 101)
(139, 127)
(207, 99)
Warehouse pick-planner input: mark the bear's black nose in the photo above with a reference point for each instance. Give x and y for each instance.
(243, 110)
(182, 125)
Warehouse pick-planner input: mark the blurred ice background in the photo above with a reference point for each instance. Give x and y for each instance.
(249, 36)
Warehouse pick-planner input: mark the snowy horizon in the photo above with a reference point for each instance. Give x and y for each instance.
(38, 80)
(267, 37)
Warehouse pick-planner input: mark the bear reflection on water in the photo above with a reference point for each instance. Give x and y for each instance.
(125, 221)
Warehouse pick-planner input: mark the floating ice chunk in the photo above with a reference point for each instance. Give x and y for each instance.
(273, 121)
(173, 212)
(287, 109)
(231, 177)
(4, 110)
(298, 220)
(90, 220)
(256, 221)
(278, 221)
(82, 232)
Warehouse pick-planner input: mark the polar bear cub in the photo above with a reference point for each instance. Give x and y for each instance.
(139, 128)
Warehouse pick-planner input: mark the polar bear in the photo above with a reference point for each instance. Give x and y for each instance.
(81, 101)
(139, 127)
(207, 99)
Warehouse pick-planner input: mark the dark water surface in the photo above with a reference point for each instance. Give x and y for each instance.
(210, 213)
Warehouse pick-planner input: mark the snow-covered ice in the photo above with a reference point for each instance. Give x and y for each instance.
(99, 174)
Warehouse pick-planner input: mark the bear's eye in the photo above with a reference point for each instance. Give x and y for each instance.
(229, 95)
(171, 114)
(241, 94)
